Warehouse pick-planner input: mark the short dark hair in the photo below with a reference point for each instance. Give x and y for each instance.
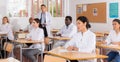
(69, 17)
(43, 5)
(116, 20)
(84, 19)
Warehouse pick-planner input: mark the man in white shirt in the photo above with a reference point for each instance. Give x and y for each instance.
(45, 19)
(68, 30)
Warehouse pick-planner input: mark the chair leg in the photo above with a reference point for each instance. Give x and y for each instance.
(101, 60)
(0, 54)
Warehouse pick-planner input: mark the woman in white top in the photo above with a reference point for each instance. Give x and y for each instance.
(35, 34)
(114, 38)
(84, 40)
(7, 28)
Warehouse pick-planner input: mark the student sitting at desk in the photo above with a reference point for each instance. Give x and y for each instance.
(35, 34)
(68, 30)
(29, 27)
(84, 40)
(7, 28)
(114, 38)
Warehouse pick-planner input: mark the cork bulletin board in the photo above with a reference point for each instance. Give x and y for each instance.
(95, 12)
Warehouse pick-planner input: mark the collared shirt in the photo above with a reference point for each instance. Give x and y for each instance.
(43, 18)
(8, 29)
(68, 31)
(113, 37)
(29, 27)
(48, 21)
(37, 34)
(85, 42)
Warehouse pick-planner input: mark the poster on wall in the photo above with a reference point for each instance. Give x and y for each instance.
(113, 10)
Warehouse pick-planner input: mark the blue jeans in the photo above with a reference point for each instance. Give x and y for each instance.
(117, 58)
(113, 56)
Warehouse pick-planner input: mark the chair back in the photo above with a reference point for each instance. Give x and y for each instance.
(8, 47)
(50, 58)
(97, 51)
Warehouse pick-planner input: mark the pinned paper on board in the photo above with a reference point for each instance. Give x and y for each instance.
(95, 12)
(79, 9)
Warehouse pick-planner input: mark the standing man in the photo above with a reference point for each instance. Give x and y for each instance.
(45, 19)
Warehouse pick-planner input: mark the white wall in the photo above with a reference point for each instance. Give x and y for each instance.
(99, 27)
(59, 22)
(2, 9)
(22, 22)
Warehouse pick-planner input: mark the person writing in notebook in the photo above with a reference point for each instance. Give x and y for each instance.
(35, 34)
(68, 30)
(84, 40)
(114, 39)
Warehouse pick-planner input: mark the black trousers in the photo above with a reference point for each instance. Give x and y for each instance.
(1, 48)
(45, 32)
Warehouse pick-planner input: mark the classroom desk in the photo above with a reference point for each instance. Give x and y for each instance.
(23, 41)
(74, 55)
(59, 38)
(3, 60)
(54, 30)
(20, 34)
(99, 34)
(113, 47)
(10, 59)
(3, 34)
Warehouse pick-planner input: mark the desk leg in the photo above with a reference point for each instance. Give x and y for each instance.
(68, 61)
(5, 53)
(20, 53)
(41, 54)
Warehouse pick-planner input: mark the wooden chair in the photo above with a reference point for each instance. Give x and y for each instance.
(49, 58)
(98, 52)
(8, 47)
(47, 43)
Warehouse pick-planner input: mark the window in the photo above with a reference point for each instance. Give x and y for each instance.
(20, 8)
(55, 7)
(17, 8)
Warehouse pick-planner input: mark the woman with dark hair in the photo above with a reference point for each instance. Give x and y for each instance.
(114, 39)
(36, 34)
(84, 40)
